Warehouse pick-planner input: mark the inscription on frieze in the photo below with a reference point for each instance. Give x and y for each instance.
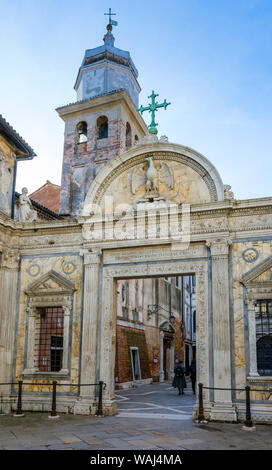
(153, 254)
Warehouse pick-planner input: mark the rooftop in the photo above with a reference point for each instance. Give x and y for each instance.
(25, 152)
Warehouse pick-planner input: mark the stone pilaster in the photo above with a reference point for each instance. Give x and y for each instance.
(223, 409)
(253, 372)
(108, 342)
(30, 357)
(9, 265)
(90, 322)
(66, 324)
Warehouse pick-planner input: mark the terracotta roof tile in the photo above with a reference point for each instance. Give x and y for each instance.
(48, 196)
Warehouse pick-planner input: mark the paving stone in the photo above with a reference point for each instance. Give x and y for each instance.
(70, 432)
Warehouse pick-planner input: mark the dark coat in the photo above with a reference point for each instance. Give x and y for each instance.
(192, 370)
(179, 380)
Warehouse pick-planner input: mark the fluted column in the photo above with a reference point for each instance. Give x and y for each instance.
(90, 321)
(253, 372)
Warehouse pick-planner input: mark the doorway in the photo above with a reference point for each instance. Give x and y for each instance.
(152, 328)
(135, 363)
(109, 351)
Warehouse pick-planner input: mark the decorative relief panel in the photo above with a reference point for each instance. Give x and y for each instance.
(34, 270)
(250, 255)
(174, 182)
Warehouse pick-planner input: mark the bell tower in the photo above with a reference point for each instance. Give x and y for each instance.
(102, 123)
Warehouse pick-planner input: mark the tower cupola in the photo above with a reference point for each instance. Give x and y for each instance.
(105, 69)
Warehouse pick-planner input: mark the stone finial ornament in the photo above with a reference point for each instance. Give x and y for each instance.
(228, 194)
(26, 211)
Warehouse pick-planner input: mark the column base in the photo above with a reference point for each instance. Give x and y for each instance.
(82, 407)
(223, 412)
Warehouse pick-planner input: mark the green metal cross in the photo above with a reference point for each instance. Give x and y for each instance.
(152, 108)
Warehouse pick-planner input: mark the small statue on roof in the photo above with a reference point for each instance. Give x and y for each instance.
(26, 211)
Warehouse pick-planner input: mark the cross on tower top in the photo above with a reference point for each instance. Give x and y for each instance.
(111, 22)
(152, 108)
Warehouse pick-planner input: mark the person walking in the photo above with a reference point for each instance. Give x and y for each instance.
(192, 371)
(179, 378)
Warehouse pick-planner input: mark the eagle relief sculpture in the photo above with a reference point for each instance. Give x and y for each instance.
(150, 176)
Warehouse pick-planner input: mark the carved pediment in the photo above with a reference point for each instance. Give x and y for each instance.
(49, 284)
(167, 327)
(260, 275)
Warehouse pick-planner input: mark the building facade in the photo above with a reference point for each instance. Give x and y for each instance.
(151, 329)
(133, 206)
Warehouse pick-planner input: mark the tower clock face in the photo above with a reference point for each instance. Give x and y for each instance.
(94, 82)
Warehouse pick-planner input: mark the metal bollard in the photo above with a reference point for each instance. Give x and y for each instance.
(54, 400)
(248, 421)
(19, 402)
(100, 399)
(200, 403)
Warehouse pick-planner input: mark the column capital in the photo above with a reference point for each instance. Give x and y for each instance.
(9, 259)
(93, 256)
(250, 303)
(219, 246)
(67, 310)
(31, 311)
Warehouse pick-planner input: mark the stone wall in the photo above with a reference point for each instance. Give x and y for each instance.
(7, 164)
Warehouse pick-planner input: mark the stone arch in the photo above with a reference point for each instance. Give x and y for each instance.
(160, 151)
(102, 127)
(81, 132)
(128, 135)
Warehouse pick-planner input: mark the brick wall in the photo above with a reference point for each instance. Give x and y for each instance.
(126, 338)
(82, 162)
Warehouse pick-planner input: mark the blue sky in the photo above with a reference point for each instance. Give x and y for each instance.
(210, 58)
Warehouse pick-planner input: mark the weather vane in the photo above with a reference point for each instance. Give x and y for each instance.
(111, 22)
(152, 108)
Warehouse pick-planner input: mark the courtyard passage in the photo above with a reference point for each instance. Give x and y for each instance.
(156, 401)
(151, 417)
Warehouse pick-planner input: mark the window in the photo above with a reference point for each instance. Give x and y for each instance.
(50, 348)
(102, 127)
(128, 135)
(135, 315)
(123, 293)
(136, 139)
(178, 282)
(263, 315)
(56, 353)
(167, 279)
(81, 132)
(193, 281)
(194, 321)
(125, 312)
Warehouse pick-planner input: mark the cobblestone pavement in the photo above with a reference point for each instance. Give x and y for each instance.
(150, 417)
